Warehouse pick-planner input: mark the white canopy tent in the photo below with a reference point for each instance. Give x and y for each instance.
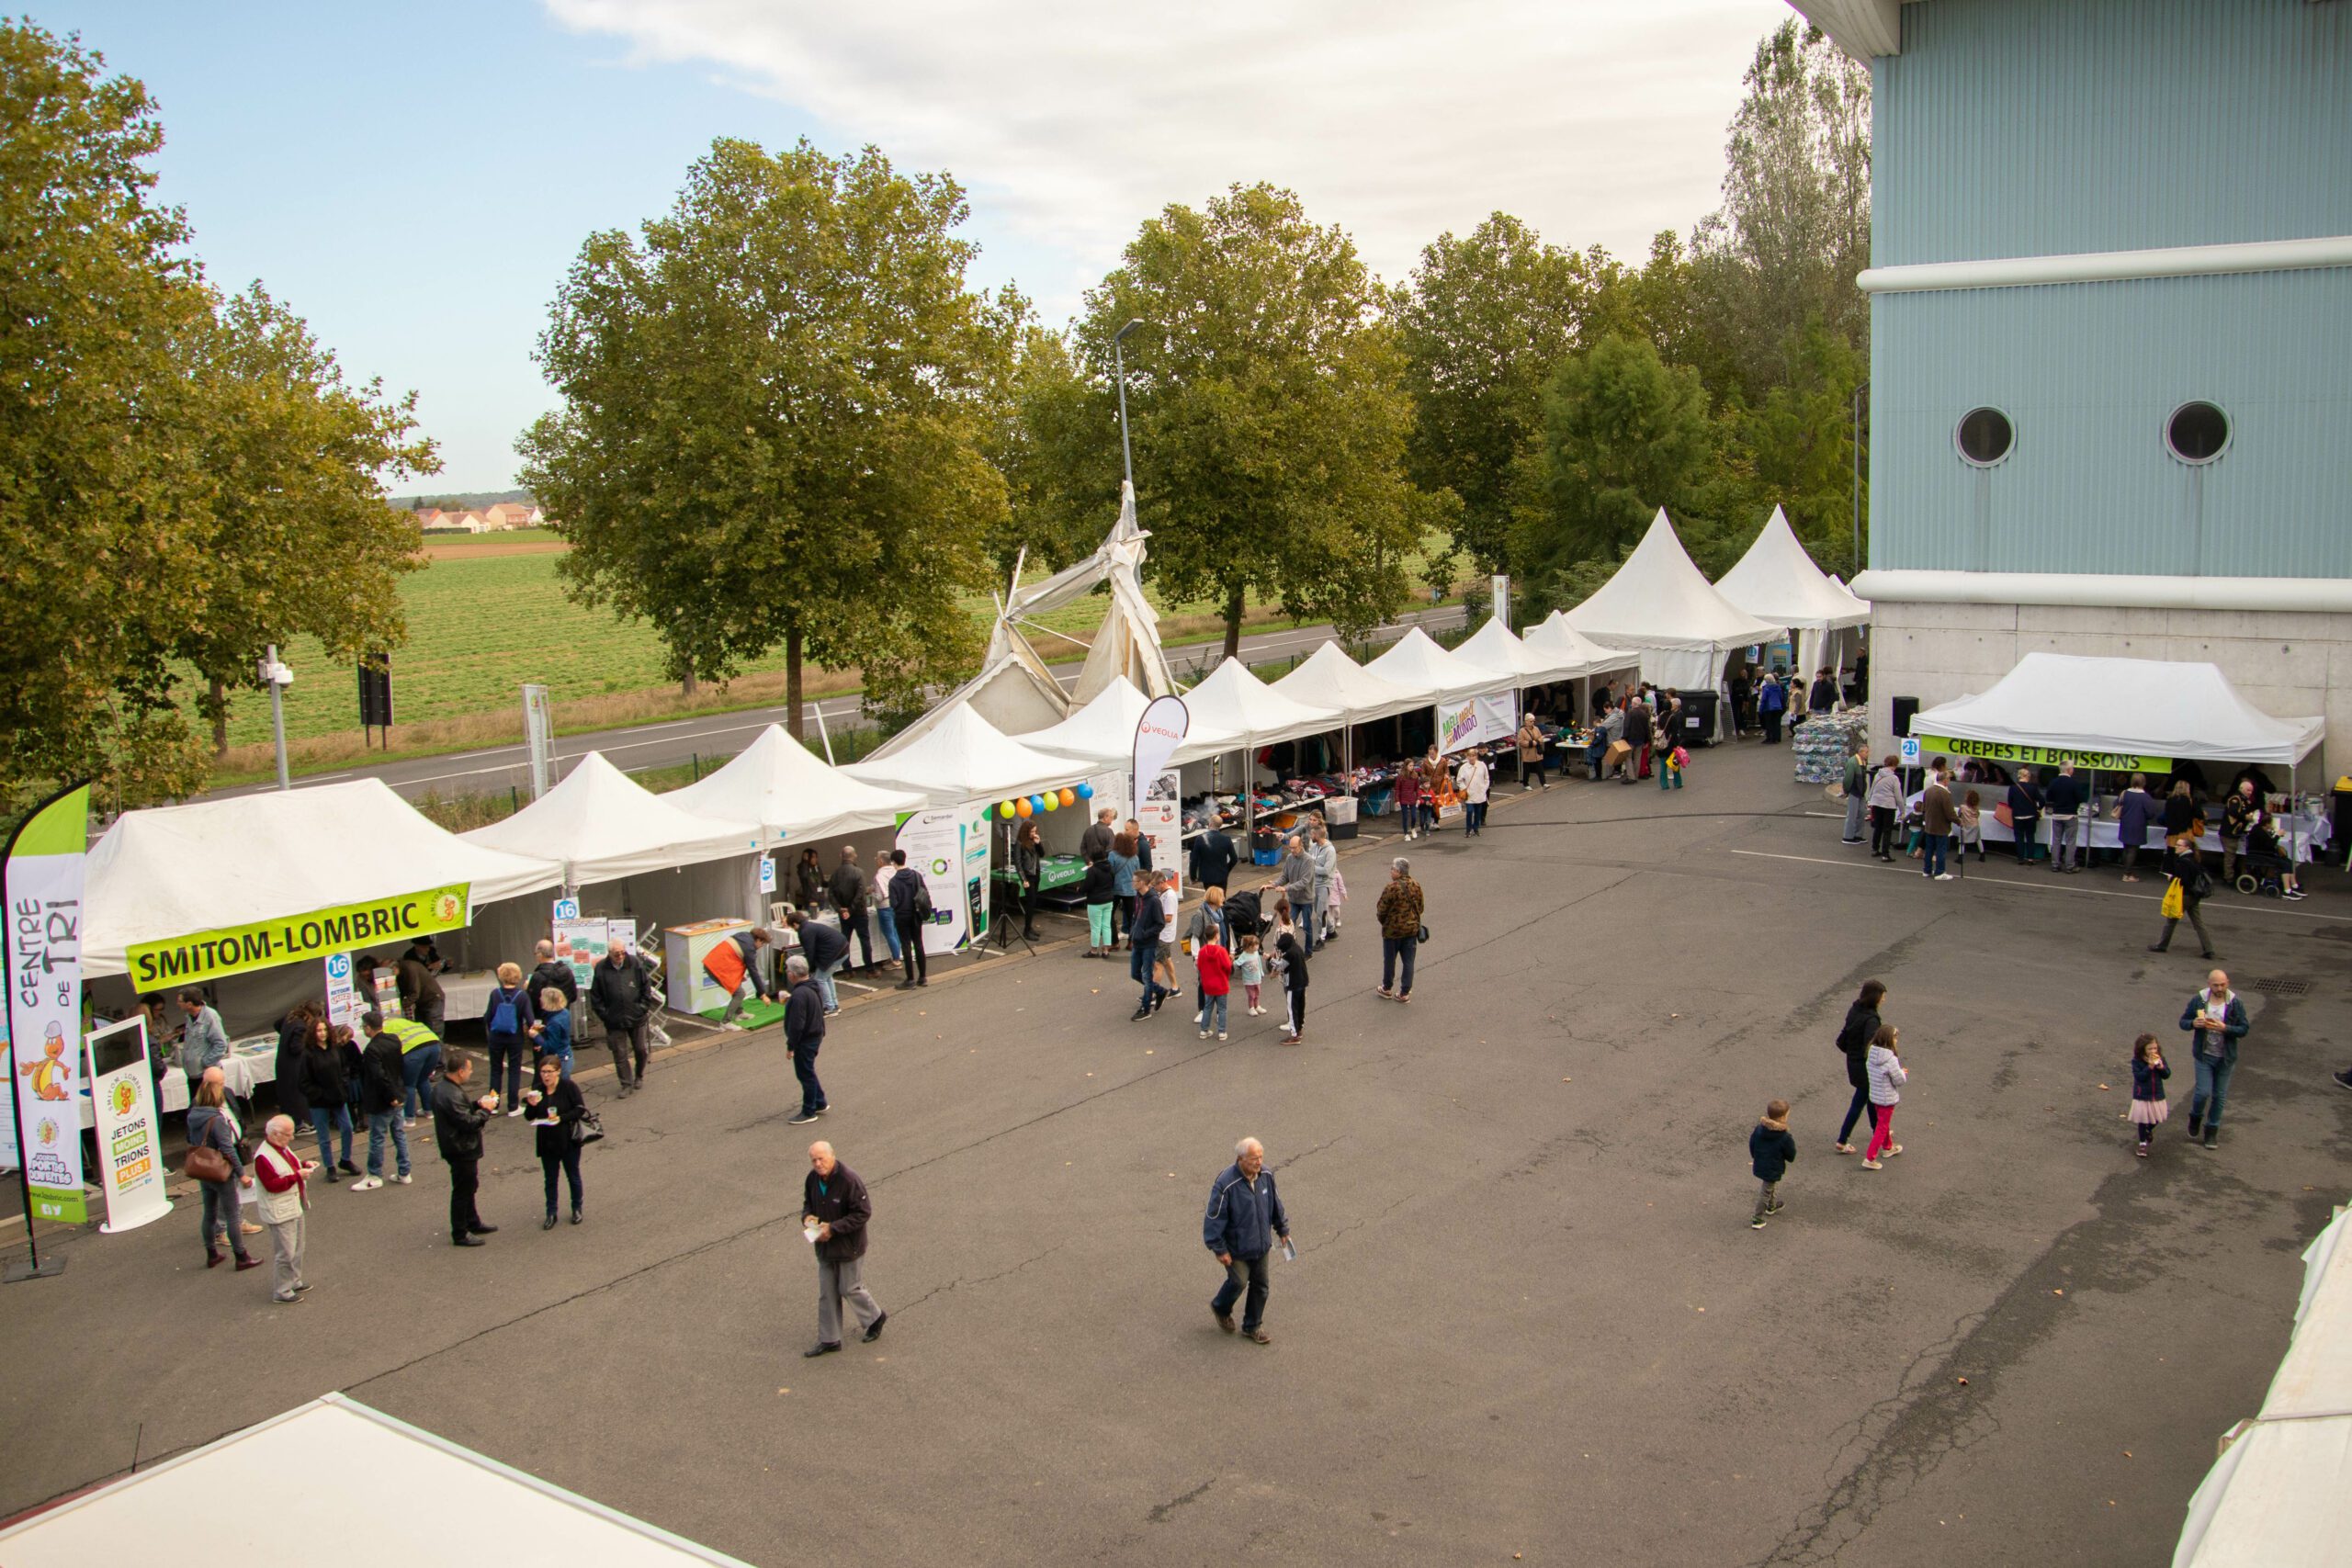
(2276, 1494)
(1233, 710)
(1495, 646)
(511, 1518)
(962, 757)
(794, 795)
(2148, 707)
(1660, 605)
(600, 826)
(1415, 663)
(1328, 678)
(174, 871)
(1102, 733)
(1777, 581)
(1555, 638)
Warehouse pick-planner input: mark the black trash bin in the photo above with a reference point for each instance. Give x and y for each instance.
(1697, 717)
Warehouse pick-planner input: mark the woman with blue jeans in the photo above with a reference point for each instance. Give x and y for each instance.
(328, 1093)
(1124, 866)
(882, 906)
(2216, 1018)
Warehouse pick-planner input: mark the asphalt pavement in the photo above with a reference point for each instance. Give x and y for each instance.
(1528, 1320)
(715, 736)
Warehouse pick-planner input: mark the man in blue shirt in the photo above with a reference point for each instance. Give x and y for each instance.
(1245, 1217)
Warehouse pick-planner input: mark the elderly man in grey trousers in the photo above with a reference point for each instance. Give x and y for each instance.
(834, 1213)
(1297, 879)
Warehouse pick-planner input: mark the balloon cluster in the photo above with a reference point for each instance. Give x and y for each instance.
(1049, 800)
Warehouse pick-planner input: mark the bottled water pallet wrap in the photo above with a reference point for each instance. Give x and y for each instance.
(1822, 742)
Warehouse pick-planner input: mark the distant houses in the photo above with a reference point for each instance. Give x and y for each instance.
(498, 518)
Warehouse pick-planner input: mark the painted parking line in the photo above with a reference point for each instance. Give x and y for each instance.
(1983, 879)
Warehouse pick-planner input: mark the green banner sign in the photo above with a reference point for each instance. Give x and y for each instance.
(1933, 746)
(209, 955)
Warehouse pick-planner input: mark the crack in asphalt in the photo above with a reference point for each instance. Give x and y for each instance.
(983, 1280)
(1160, 1512)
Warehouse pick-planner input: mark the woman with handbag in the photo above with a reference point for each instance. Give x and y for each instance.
(216, 1165)
(555, 1109)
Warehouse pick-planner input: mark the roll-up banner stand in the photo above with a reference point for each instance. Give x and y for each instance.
(40, 881)
(130, 1155)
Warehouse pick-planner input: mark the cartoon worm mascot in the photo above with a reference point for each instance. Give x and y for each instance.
(49, 1076)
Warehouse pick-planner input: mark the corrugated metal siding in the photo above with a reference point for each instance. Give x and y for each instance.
(2010, 128)
(2089, 373)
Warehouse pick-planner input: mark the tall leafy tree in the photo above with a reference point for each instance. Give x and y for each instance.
(1796, 448)
(1794, 228)
(1623, 434)
(1268, 410)
(1485, 319)
(777, 404)
(293, 462)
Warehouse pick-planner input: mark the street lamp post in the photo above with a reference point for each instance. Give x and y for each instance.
(1119, 358)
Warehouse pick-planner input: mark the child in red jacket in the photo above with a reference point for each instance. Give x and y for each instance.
(1216, 966)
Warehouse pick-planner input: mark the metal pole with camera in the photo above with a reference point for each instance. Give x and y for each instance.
(276, 677)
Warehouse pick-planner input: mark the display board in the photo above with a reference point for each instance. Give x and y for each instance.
(1490, 717)
(934, 840)
(973, 830)
(131, 1156)
(1161, 816)
(581, 943)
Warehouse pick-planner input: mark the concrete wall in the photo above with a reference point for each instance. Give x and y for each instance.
(2288, 665)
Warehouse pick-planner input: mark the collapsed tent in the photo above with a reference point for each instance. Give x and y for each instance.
(1415, 663)
(177, 871)
(1661, 606)
(1777, 581)
(2276, 1494)
(1233, 710)
(793, 795)
(509, 1517)
(962, 757)
(1328, 678)
(1103, 732)
(2118, 708)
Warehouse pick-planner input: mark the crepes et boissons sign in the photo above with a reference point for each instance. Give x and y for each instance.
(235, 950)
(2045, 756)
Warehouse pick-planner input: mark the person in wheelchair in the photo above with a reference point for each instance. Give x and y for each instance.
(2266, 862)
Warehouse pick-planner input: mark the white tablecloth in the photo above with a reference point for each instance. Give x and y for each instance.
(250, 1062)
(2304, 833)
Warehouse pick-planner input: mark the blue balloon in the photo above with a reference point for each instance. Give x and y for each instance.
(1086, 792)
(1036, 803)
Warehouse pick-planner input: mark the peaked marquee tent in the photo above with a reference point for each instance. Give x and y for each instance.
(1553, 637)
(1328, 678)
(1777, 581)
(511, 1517)
(1233, 710)
(600, 826)
(1415, 663)
(793, 795)
(1494, 647)
(962, 757)
(175, 871)
(1103, 731)
(1659, 604)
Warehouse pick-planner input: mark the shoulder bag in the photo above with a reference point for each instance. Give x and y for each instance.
(204, 1163)
(1424, 934)
(588, 1128)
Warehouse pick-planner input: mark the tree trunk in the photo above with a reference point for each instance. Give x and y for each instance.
(1233, 622)
(686, 686)
(792, 681)
(220, 718)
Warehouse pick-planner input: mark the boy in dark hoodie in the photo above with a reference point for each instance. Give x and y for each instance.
(1771, 1148)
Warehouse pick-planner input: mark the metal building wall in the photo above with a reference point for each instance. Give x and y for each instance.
(2088, 375)
(2012, 128)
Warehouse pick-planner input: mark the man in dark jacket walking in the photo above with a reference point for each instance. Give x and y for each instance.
(381, 1091)
(804, 1032)
(1637, 736)
(847, 891)
(457, 1119)
(548, 972)
(1214, 857)
(903, 886)
(835, 1211)
(1245, 1217)
(620, 994)
(2215, 1018)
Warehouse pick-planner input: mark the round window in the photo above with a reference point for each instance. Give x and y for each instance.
(1985, 437)
(2197, 433)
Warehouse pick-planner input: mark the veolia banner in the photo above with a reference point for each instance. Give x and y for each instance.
(131, 1156)
(43, 891)
(1157, 734)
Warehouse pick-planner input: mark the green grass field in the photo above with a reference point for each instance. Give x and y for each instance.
(478, 629)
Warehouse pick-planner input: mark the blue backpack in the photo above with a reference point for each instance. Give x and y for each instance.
(503, 1021)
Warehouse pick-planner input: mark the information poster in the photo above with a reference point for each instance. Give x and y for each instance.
(582, 944)
(621, 934)
(1161, 818)
(975, 831)
(130, 1160)
(1478, 721)
(343, 1000)
(935, 845)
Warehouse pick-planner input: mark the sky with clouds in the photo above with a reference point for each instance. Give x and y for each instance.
(414, 179)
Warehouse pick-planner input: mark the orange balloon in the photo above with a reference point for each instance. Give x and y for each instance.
(1070, 797)
(1025, 808)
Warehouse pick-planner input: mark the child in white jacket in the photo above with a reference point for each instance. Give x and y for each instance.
(1888, 1078)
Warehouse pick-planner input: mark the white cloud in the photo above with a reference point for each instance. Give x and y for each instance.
(1595, 121)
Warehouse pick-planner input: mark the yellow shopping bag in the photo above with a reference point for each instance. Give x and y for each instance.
(2173, 900)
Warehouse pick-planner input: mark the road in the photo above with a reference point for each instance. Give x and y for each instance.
(718, 736)
(1528, 1322)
